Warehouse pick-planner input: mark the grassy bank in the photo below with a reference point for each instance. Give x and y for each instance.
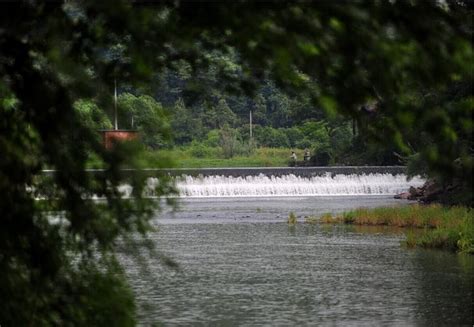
(450, 228)
(208, 157)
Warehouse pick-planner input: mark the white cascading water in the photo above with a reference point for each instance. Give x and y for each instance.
(291, 185)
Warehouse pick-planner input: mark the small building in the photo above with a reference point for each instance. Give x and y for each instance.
(111, 136)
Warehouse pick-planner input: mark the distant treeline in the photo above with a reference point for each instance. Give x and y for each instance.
(198, 110)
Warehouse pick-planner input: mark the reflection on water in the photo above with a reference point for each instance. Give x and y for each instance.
(379, 229)
(448, 277)
(242, 266)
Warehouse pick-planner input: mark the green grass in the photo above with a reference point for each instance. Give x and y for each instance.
(208, 157)
(262, 157)
(450, 228)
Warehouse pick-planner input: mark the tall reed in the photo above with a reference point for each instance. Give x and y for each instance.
(450, 228)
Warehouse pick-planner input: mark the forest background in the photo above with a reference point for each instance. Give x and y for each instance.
(211, 126)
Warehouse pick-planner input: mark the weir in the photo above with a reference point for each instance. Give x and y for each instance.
(283, 171)
(291, 185)
(285, 181)
(267, 171)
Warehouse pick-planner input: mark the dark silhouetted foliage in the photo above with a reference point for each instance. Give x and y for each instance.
(412, 58)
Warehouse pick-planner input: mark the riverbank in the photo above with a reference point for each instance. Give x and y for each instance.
(209, 157)
(433, 226)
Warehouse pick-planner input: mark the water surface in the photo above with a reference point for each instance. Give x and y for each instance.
(242, 265)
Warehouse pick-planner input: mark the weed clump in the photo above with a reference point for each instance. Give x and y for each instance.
(311, 220)
(326, 218)
(450, 228)
(292, 220)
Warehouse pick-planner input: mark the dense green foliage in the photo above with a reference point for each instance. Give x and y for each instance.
(410, 62)
(147, 116)
(57, 255)
(330, 140)
(278, 120)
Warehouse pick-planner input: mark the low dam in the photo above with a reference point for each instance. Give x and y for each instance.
(282, 171)
(291, 185)
(280, 181)
(266, 171)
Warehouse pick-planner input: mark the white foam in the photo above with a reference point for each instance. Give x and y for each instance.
(291, 185)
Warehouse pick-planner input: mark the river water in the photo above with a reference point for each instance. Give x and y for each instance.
(240, 264)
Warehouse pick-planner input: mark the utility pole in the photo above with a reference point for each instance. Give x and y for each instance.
(115, 105)
(251, 125)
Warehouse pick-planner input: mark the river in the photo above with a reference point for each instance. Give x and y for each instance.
(240, 264)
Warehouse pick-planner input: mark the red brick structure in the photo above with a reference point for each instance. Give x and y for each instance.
(111, 136)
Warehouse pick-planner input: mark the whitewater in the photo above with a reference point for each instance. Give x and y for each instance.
(289, 185)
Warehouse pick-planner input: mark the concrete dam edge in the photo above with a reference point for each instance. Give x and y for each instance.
(267, 171)
(281, 171)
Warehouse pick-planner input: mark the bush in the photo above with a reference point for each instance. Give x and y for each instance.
(199, 150)
(294, 136)
(304, 143)
(213, 138)
(229, 142)
(271, 137)
(321, 158)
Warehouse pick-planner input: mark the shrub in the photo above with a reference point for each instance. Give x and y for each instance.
(348, 217)
(229, 141)
(212, 138)
(304, 143)
(294, 136)
(200, 150)
(321, 158)
(271, 137)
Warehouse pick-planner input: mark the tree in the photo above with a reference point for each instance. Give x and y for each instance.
(259, 111)
(57, 273)
(148, 116)
(271, 137)
(92, 116)
(335, 53)
(229, 141)
(340, 55)
(224, 114)
(181, 120)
